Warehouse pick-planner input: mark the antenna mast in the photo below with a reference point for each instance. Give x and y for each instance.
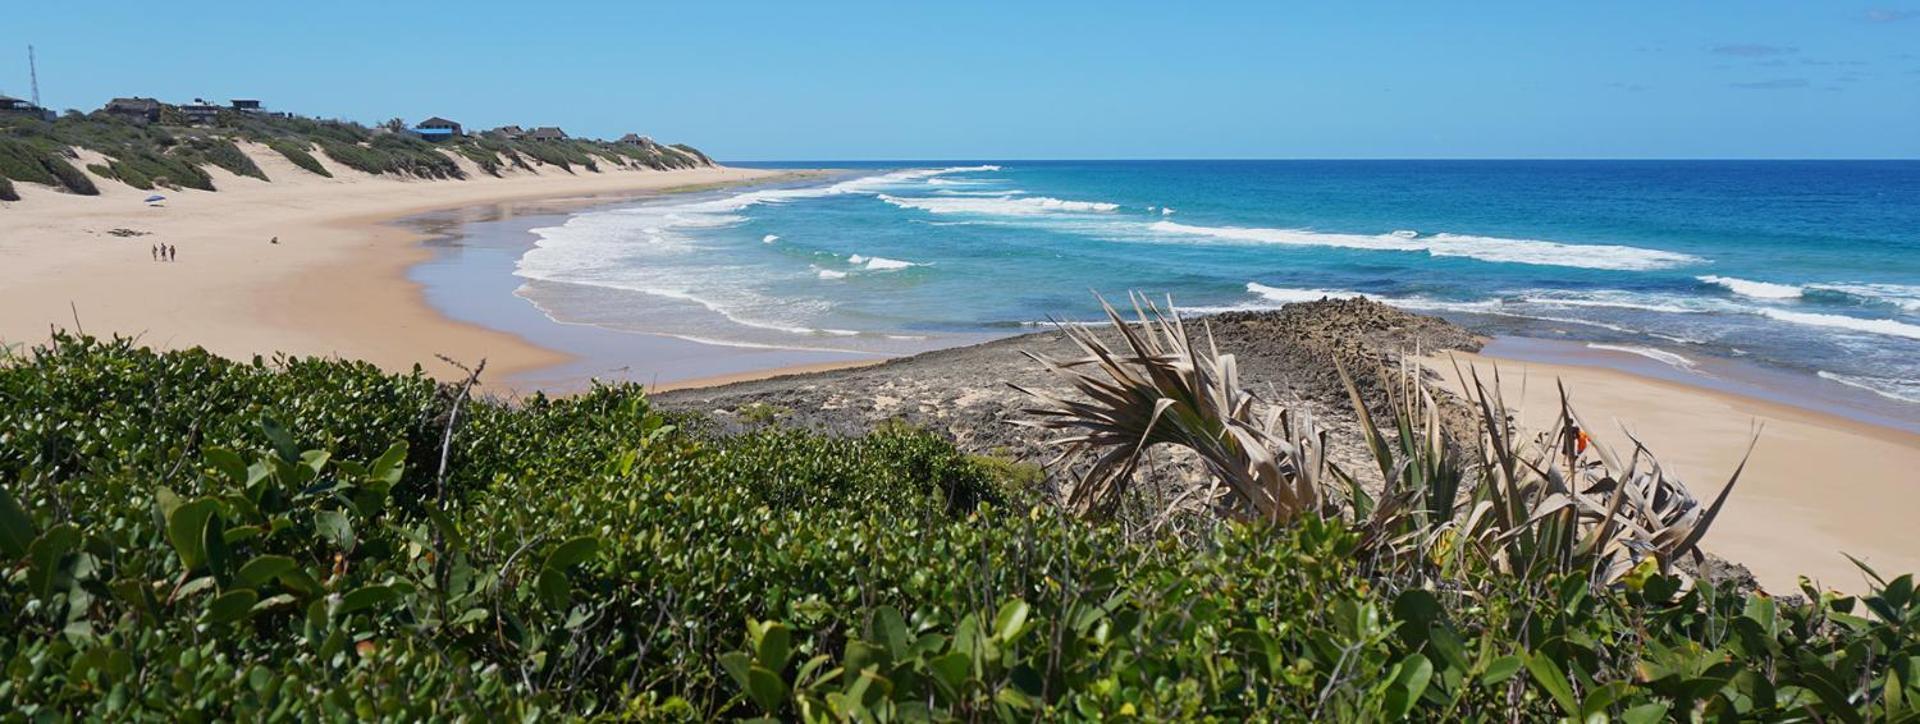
(33, 73)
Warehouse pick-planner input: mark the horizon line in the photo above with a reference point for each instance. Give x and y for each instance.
(967, 159)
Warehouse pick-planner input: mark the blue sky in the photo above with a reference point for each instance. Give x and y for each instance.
(900, 80)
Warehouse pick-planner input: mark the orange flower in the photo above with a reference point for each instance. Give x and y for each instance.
(1580, 443)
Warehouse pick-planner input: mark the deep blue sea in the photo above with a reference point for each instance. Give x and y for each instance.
(1807, 267)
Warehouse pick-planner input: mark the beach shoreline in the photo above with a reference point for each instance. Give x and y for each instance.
(303, 265)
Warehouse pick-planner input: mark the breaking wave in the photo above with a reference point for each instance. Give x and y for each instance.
(1484, 248)
(1005, 206)
(1756, 290)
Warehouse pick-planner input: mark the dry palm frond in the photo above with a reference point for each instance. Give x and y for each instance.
(1560, 500)
(1159, 389)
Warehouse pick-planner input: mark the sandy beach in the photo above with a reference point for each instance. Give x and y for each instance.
(1817, 485)
(335, 285)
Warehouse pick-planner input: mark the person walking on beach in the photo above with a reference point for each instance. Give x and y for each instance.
(155, 249)
(173, 252)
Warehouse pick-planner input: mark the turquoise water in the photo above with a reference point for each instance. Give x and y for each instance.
(1806, 267)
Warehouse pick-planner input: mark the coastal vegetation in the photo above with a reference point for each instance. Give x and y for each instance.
(188, 537)
(169, 154)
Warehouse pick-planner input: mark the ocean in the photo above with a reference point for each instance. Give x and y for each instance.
(1806, 268)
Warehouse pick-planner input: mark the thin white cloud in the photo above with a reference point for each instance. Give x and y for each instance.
(1774, 84)
(1753, 50)
(1891, 15)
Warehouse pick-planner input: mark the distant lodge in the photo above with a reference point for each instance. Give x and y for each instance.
(442, 129)
(10, 106)
(143, 111)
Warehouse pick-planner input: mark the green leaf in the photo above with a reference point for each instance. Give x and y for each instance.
(366, 597)
(1011, 619)
(282, 440)
(265, 568)
(736, 664)
(1417, 611)
(228, 463)
(335, 527)
(1645, 714)
(187, 530)
(1549, 677)
(1414, 672)
(232, 605)
(390, 465)
(1499, 670)
(553, 588)
(16, 527)
(892, 628)
(766, 688)
(45, 555)
(774, 647)
(572, 552)
(951, 670)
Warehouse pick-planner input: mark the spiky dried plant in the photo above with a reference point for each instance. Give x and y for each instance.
(1159, 389)
(1559, 500)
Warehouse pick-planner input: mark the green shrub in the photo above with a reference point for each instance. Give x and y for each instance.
(223, 153)
(195, 538)
(297, 152)
(21, 162)
(103, 171)
(70, 178)
(24, 161)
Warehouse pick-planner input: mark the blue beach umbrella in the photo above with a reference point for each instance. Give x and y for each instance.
(155, 197)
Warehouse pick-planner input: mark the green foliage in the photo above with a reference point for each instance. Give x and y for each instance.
(394, 153)
(186, 537)
(23, 160)
(223, 153)
(297, 152)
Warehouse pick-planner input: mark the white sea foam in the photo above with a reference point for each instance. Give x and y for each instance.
(1658, 355)
(953, 192)
(881, 263)
(770, 238)
(1406, 233)
(643, 248)
(1288, 296)
(1900, 295)
(1893, 389)
(1511, 251)
(1166, 211)
(1756, 290)
(1888, 327)
(1009, 206)
(830, 274)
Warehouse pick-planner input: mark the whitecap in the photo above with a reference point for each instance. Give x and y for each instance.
(770, 238)
(830, 274)
(1756, 290)
(881, 263)
(1888, 327)
(1021, 206)
(1288, 296)
(1493, 249)
(1900, 295)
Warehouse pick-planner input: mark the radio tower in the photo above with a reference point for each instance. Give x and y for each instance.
(33, 74)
